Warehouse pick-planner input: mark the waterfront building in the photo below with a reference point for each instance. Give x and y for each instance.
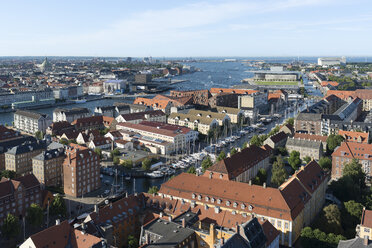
(306, 147)
(69, 115)
(216, 91)
(58, 128)
(329, 61)
(255, 102)
(114, 86)
(121, 108)
(81, 171)
(199, 97)
(19, 158)
(17, 195)
(163, 139)
(156, 104)
(109, 111)
(134, 108)
(138, 117)
(364, 94)
(6, 99)
(348, 151)
(31, 122)
(224, 100)
(89, 123)
(68, 92)
(47, 167)
(236, 115)
(276, 76)
(176, 101)
(143, 78)
(242, 166)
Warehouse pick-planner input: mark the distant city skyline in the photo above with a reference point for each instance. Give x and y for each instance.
(218, 28)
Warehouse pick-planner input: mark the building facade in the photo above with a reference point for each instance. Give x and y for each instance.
(31, 122)
(81, 171)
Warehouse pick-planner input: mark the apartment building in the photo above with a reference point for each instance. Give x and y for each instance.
(89, 123)
(364, 94)
(31, 122)
(138, 117)
(17, 195)
(277, 140)
(288, 208)
(81, 171)
(224, 100)
(7, 134)
(242, 166)
(306, 136)
(236, 115)
(199, 97)
(156, 104)
(69, 115)
(306, 147)
(109, 111)
(160, 138)
(364, 229)
(19, 158)
(351, 136)
(47, 167)
(348, 151)
(308, 123)
(196, 122)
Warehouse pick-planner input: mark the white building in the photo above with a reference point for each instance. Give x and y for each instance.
(31, 122)
(71, 92)
(62, 114)
(113, 86)
(6, 99)
(331, 61)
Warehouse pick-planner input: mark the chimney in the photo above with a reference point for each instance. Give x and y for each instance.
(147, 238)
(212, 233)
(250, 182)
(170, 218)
(237, 228)
(183, 223)
(365, 241)
(222, 241)
(264, 185)
(161, 214)
(58, 222)
(210, 175)
(96, 208)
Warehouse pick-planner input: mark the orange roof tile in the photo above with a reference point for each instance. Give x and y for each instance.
(354, 136)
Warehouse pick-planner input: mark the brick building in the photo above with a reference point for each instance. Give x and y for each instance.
(199, 97)
(16, 195)
(81, 171)
(348, 151)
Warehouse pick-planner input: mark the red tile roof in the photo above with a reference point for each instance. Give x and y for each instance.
(236, 91)
(354, 150)
(366, 218)
(7, 133)
(354, 136)
(284, 203)
(152, 129)
(310, 137)
(239, 162)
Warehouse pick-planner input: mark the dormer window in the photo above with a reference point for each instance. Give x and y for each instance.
(193, 196)
(227, 203)
(212, 200)
(243, 206)
(199, 197)
(235, 204)
(219, 201)
(206, 198)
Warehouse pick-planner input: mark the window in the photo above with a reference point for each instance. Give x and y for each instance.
(279, 224)
(366, 229)
(286, 225)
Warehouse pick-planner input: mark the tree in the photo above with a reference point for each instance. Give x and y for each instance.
(233, 151)
(333, 141)
(132, 242)
(274, 130)
(316, 238)
(39, 135)
(355, 172)
(355, 209)
(8, 174)
(294, 159)
(279, 174)
(282, 151)
(146, 164)
(307, 159)
(10, 228)
(332, 218)
(98, 151)
(63, 141)
(116, 160)
(153, 190)
(221, 156)
(206, 163)
(255, 140)
(127, 163)
(290, 121)
(261, 177)
(191, 170)
(325, 163)
(115, 152)
(245, 145)
(35, 215)
(58, 206)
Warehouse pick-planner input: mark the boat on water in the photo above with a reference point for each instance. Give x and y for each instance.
(155, 174)
(81, 100)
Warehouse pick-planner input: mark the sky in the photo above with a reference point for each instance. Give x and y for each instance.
(158, 28)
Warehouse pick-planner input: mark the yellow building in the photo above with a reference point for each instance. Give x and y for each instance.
(364, 230)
